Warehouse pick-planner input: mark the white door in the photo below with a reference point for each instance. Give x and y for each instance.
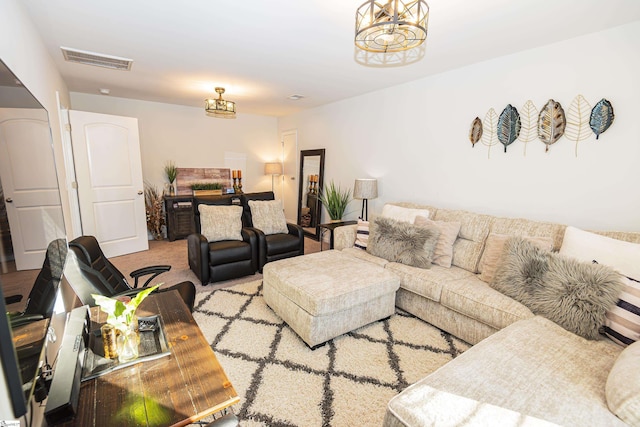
(106, 152)
(30, 185)
(289, 184)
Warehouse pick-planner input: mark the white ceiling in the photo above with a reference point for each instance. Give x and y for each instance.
(263, 51)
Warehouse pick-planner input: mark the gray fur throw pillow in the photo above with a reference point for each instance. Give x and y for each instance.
(402, 242)
(575, 295)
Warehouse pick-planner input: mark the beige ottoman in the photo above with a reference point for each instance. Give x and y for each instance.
(326, 294)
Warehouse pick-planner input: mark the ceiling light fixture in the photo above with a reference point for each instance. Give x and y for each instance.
(295, 97)
(393, 26)
(219, 107)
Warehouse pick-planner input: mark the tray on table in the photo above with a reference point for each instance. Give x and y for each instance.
(153, 345)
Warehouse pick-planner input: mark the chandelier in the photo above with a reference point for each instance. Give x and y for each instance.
(393, 26)
(219, 107)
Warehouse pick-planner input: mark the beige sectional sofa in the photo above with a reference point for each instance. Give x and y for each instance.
(525, 369)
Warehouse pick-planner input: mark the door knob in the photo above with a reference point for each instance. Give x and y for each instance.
(9, 200)
(139, 193)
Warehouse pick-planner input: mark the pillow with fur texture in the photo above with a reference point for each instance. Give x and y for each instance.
(494, 249)
(219, 223)
(402, 242)
(443, 252)
(575, 295)
(268, 216)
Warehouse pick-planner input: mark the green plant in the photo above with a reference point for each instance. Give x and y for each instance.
(120, 313)
(206, 186)
(335, 200)
(171, 170)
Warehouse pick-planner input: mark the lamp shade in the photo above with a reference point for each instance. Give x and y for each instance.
(365, 188)
(273, 168)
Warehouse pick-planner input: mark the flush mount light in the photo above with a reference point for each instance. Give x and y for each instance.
(295, 97)
(219, 107)
(392, 26)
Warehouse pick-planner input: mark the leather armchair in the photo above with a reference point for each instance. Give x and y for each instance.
(223, 260)
(274, 246)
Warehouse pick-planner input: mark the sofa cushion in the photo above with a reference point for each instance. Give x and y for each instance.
(574, 294)
(365, 256)
(426, 283)
(403, 214)
(475, 299)
(268, 216)
(623, 385)
(473, 232)
(525, 227)
(493, 253)
(220, 222)
(402, 242)
(537, 368)
(443, 252)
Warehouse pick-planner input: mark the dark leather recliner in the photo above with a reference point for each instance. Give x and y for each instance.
(274, 246)
(223, 260)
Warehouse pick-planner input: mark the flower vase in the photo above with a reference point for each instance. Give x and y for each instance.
(174, 188)
(128, 342)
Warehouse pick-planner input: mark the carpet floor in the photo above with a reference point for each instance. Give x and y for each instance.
(347, 382)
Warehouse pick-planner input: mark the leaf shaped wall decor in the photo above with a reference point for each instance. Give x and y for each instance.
(551, 123)
(508, 126)
(601, 117)
(529, 124)
(489, 125)
(577, 121)
(475, 132)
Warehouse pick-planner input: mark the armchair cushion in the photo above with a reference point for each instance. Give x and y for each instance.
(221, 222)
(268, 216)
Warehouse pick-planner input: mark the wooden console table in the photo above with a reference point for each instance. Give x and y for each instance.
(174, 390)
(180, 216)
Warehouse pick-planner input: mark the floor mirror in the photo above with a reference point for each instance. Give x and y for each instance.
(310, 186)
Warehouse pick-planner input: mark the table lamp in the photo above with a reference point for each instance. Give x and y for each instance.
(272, 169)
(365, 189)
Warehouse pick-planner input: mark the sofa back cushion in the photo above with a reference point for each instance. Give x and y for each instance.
(521, 227)
(473, 232)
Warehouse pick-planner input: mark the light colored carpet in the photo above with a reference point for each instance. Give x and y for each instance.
(346, 382)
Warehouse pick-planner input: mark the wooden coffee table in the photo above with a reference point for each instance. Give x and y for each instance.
(175, 390)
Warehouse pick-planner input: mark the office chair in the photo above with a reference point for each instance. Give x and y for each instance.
(90, 272)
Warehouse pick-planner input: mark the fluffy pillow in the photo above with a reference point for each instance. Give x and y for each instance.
(362, 234)
(398, 241)
(573, 294)
(443, 252)
(403, 214)
(268, 216)
(586, 246)
(623, 386)
(220, 222)
(494, 249)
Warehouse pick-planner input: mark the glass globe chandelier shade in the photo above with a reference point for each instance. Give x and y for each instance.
(219, 107)
(393, 26)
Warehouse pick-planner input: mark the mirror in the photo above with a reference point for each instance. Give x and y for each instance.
(311, 184)
(31, 225)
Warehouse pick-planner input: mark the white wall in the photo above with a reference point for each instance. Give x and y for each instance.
(191, 139)
(414, 137)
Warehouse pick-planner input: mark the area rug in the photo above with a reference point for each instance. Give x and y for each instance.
(346, 382)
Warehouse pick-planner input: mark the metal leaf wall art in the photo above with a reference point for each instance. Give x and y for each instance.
(529, 124)
(508, 126)
(475, 132)
(551, 123)
(601, 117)
(578, 121)
(489, 136)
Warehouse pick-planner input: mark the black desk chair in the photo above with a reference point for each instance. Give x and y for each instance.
(90, 272)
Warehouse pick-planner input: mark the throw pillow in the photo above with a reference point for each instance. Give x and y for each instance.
(622, 322)
(623, 386)
(219, 223)
(586, 246)
(362, 234)
(575, 295)
(403, 214)
(268, 216)
(443, 252)
(398, 241)
(494, 249)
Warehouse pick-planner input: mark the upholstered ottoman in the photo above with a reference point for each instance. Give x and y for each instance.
(326, 294)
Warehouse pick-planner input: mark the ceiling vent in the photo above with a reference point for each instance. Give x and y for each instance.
(97, 59)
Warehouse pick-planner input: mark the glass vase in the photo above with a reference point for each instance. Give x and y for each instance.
(128, 342)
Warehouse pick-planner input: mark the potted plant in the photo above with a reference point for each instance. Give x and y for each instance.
(335, 201)
(171, 171)
(206, 189)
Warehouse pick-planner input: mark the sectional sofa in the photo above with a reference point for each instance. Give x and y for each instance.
(523, 369)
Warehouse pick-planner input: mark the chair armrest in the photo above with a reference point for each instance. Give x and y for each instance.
(344, 236)
(297, 231)
(155, 270)
(198, 256)
(19, 319)
(249, 235)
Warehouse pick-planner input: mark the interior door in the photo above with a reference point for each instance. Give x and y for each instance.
(30, 185)
(106, 151)
(288, 185)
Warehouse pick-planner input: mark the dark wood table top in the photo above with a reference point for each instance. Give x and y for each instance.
(174, 390)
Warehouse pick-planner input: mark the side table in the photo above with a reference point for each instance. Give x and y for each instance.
(330, 227)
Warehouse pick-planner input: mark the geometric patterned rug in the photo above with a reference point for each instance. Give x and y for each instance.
(346, 382)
